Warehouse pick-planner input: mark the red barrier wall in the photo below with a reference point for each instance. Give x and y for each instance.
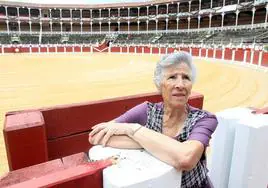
(185, 49)
(239, 54)
(256, 57)
(86, 49)
(24, 50)
(147, 49)
(9, 50)
(34, 50)
(139, 49)
(264, 59)
(69, 49)
(43, 49)
(195, 51)
(70, 171)
(63, 130)
(155, 50)
(228, 54)
(210, 53)
(124, 49)
(131, 49)
(163, 50)
(218, 53)
(52, 49)
(115, 49)
(77, 49)
(203, 52)
(248, 57)
(170, 50)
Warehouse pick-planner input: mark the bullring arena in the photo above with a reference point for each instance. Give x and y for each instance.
(40, 70)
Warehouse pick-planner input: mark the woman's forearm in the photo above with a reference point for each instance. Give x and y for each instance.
(123, 142)
(162, 147)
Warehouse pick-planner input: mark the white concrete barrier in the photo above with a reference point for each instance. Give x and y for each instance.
(135, 169)
(239, 157)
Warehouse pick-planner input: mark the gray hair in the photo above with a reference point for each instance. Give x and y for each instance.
(171, 60)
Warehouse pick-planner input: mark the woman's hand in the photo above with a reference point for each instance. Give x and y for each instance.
(102, 132)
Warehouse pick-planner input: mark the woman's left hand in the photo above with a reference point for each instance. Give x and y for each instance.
(103, 131)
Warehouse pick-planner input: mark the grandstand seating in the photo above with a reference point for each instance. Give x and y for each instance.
(157, 23)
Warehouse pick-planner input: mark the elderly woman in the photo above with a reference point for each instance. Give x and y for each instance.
(172, 131)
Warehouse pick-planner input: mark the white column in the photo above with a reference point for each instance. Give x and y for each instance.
(19, 26)
(60, 13)
(236, 19)
(81, 28)
(118, 25)
(223, 53)
(156, 10)
(147, 11)
(41, 27)
(40, 13)
(138, 12)
(90, 13)
(118, 12)
(128, 12)
(100, 26)
(266, 15)
(7, 22)
(30, 24)
(50, 26)
(6, 11)
(81, 15)
(189, 23)
(223, 3)
(199, 17)
(147, 23)
(214, 52)
(167, 8)
(109, 12)
(189, 6)
(18, 12)
(50, 16)
(222, 19)
(128, 23)
(253, 16)
(199, 5)
(100, 13)
(71, 23)
(138, 26)
(210, 16)
(177, 19)
(29, 10)
(71, 13)
(166, 24)
(60, 27)
(109, 26)
(91, 26)
(211, 4)
(156, 25)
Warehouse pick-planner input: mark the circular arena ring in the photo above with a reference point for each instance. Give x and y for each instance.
(39, 80)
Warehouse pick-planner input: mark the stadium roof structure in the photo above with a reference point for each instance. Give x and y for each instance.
(82, 3)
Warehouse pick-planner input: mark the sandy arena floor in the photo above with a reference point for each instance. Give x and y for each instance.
(29, 81)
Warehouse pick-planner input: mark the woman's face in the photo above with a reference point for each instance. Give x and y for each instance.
(176, 85)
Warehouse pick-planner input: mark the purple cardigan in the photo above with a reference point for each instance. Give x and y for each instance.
(202, 130)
